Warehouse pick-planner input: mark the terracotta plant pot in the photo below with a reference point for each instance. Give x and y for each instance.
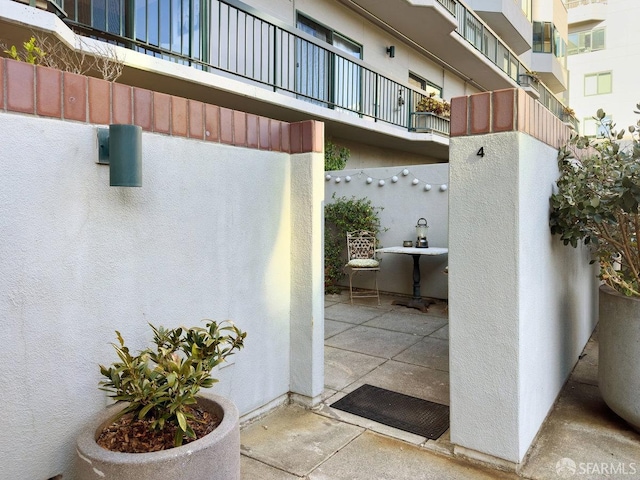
(619, 354)
(213, 457)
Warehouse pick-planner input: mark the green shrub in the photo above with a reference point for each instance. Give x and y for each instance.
(342, 216)
(335, 158)
(31, 53)
(597, 199)
(161, 382)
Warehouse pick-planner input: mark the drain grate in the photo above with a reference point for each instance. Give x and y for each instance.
(394, 409)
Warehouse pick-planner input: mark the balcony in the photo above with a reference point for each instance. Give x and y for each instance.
(585, 11)
(508, 20)
(425, 21)
(427, 122)
(245, 62)
(255, 65)
(550, 70)
(530, 84)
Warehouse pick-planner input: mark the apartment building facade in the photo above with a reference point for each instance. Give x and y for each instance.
(603, 55)
(360, 66)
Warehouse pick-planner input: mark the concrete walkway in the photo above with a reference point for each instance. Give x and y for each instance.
(406, 351)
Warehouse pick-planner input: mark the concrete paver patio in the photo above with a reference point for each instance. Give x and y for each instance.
(406, 351)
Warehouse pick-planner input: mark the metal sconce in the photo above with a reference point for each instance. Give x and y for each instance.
(120, 147)
(391, 51)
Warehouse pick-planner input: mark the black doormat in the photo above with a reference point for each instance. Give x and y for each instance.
(397, 410)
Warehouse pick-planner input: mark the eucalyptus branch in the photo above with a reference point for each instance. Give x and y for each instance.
(597, 200)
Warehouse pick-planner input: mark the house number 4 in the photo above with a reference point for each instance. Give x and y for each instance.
(480, 152)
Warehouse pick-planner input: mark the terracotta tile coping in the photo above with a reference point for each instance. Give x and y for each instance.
(509, 110)
(41, 91)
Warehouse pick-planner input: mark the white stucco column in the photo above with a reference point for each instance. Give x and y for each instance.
(307, 276)
(521, 304)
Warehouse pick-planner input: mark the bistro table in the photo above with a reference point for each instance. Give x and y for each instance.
(416, 301)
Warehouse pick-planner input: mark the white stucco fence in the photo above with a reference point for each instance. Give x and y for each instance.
(216, 231)
(521, 305)
(403, 203)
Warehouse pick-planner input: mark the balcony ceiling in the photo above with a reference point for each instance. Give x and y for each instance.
(519, 40)
(551, 72)
(589, 13)
(506, 18)
(432, 27)
(408, 16)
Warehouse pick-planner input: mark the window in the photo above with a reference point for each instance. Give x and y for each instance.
(422, 84)
(586, 41)
(591, 128)
(597, 83)
(162, 27)
(325, 78)
(542, 37)
(547, 39)
(526, 7)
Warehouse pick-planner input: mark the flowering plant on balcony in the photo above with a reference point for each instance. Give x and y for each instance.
(597, 202)
(435, 105)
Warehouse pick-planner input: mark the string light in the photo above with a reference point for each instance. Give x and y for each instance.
(442, 187)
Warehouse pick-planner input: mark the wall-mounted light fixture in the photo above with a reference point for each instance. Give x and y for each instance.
(391, 51)
(120, 147)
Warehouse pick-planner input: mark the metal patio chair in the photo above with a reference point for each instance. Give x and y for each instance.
(361, 251)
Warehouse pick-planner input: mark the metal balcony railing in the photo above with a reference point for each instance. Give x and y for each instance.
(229, 38)
(241, 44)
(449, 5)
(477, 33)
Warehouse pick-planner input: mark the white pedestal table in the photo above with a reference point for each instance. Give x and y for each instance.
(416, 301)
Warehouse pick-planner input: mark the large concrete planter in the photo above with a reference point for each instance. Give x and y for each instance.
(619, 354)
(214, 457)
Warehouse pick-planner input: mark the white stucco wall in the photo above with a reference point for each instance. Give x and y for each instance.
(521, 305)
(403, 204)
(363, 156)
(209, 235)
(307, 276)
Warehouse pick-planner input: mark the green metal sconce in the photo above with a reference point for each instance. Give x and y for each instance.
(120, 147)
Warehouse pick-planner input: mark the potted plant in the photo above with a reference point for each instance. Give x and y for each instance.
(160, 428)
(596, 203)
(433, 104)
(530, 83)
(431, 114)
